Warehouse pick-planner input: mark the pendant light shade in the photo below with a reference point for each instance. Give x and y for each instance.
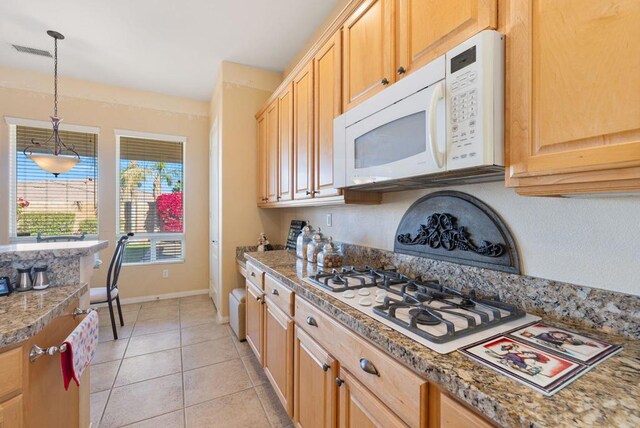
(55, 162)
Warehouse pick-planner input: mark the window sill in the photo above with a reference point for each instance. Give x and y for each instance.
(157, 262)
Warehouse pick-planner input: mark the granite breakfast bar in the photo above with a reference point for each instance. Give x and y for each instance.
(43, 317)
(608, 395)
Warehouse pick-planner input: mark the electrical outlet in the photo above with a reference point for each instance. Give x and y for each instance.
(329, 220)
(165, 273)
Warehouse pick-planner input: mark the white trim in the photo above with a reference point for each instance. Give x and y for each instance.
(149, 136)
(153, 298)
(220, 319)
(47, 124)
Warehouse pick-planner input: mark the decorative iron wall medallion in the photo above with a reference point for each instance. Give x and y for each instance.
(459, 228)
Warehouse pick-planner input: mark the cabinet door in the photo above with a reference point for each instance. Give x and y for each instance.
(285, 144)
(273, 138)
(255, 320)
(11, 413)
(455, 415)
(359, 408)
(368, 51)
(278, 354)
(573, 102)
(315, 395)
(45, 399)
(327, 71)
(262, 158)
(303, 132)
(429, 28)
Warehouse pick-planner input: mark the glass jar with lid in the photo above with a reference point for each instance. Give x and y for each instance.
(315, 246)
(331, 256)
(303, 241)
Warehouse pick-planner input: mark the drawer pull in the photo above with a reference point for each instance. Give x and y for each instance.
(339, 381)
(384, 81)
(258, 299)
(253, 274)
(401, 70)
(325, 367)
(368, 367)
(275, 292)
(311, 321)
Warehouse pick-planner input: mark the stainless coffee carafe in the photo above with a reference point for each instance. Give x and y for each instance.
(24, 282)
(40, 280)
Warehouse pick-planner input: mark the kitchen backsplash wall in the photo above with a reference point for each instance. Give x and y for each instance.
(593, 242)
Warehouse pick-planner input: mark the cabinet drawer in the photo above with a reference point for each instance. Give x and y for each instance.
(455, 415)
(255, 275)
(11, 413)
(280, 295)
(402, 390)
(11, 373)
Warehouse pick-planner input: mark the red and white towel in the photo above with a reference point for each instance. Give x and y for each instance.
(81, 347)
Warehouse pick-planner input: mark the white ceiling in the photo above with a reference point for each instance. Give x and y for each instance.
(168, 46)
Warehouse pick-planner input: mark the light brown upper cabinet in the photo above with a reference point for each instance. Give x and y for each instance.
(427, 29)
(327, 71)
(573, 100)
(368, 51)
(272, 143)
(285, 144)
(262, 158)
(303, 133)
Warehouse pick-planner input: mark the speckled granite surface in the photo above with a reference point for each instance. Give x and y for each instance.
(607, 396)
(61, 258)
(240, 252)
(23, 315)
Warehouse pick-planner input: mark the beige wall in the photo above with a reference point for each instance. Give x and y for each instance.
(238, 94)
(28, 95)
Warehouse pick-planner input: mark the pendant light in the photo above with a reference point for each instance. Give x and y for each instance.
(62, 157)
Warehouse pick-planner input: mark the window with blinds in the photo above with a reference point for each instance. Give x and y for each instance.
(53, 206)
(151, 177)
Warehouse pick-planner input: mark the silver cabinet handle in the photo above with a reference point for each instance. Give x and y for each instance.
(368, 367)
(275, 292)
(311, 321)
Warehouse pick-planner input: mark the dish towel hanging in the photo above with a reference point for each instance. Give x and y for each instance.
(81, 347)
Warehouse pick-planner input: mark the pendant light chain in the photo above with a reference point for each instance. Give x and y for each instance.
(55, 78)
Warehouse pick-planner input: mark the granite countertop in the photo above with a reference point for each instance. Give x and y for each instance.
(16, 252)
(23, 315)
(608, 395)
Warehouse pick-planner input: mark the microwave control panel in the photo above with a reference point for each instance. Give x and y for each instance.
(475, 76)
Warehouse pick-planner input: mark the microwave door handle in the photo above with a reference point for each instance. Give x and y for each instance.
(438, 94)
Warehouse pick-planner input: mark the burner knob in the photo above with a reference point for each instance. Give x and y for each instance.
(368, 367)
(325, 367)
(339, 381)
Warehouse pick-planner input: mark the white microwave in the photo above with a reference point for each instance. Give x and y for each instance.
(445, 119)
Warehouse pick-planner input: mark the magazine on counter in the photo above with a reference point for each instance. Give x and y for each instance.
(541, 356)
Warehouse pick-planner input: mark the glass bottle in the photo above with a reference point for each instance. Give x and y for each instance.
(303, 240)
(315, 246)
(331, 256)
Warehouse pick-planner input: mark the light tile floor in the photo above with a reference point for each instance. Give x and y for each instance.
(175, 366)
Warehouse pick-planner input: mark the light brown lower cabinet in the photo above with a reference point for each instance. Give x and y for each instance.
(11, 413)
(315, 389)
(360, 408)
(255, 320)
(278, 353)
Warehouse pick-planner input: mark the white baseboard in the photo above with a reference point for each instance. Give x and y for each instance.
(221, 319)
(143, 299)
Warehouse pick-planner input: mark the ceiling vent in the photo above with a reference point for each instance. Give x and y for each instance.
(32, 51)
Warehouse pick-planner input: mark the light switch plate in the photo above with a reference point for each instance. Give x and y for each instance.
(329, 220)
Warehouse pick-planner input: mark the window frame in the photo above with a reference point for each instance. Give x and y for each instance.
(12, 124)
(159, 236)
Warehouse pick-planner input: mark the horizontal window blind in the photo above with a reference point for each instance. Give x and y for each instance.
(151, 206)
(63, 205)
